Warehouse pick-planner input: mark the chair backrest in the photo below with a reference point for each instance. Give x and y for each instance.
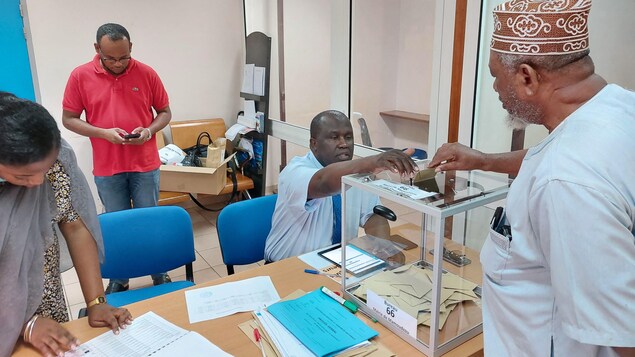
(243, 228)
(144, 241)
(184, 133)
(365, 133)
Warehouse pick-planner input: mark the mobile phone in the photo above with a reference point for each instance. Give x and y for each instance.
(131, 136)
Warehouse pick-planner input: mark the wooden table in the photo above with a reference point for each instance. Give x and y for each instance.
(287, 276)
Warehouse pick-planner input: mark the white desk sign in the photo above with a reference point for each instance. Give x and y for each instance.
(392, 314)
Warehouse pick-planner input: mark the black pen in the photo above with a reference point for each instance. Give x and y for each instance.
(498, 213)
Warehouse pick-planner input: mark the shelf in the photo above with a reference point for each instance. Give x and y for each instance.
(400, 114)
(249, 96)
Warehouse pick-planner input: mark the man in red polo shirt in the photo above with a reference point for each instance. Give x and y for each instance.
(118, 95)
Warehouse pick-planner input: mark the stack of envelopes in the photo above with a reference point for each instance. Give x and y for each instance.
(410, 289)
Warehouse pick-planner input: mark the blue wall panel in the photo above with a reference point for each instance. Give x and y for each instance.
(15, 70)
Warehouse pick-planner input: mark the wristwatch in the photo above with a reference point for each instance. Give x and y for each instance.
(99, 300)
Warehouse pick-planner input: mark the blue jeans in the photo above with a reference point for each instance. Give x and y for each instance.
(127, 190)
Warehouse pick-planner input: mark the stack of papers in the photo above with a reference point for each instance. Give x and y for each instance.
(319, 323)
(410, 289)
(149, 334)
(364, 349)
(250, 120)
(253, 79)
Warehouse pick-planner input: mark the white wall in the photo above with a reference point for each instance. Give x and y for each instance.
(611, 31)
(392, 65)
(196, 47)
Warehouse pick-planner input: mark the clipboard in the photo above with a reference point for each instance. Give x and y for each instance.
(358, 261)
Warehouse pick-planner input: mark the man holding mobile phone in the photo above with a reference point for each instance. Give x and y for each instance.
(119, 96)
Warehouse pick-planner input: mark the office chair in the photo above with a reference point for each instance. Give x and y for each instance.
(419, 154)
(243, 228)
(144, 241)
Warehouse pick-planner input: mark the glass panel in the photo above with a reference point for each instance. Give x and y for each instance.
(391, 65)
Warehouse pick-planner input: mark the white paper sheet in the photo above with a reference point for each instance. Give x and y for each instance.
(225, 299)
(149, 334)
(236, 129)
(403, 190)
(259, 80)
(249, 108)
(248, 79)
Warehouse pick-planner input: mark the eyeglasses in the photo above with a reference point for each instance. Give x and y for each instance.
(122, 60)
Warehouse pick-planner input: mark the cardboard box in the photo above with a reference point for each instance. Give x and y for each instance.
(194, 179)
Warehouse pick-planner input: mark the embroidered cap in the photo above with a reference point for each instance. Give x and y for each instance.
(541, 27)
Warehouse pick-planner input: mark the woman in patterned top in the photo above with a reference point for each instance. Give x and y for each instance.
(30, 143)
(77, 222)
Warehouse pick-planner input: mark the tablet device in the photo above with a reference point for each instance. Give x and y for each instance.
(358, 261)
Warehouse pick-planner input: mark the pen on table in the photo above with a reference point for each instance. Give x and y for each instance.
(347, 304)
(259, 340)
(317, 272)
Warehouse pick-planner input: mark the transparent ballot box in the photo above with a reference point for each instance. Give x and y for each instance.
(414, 264)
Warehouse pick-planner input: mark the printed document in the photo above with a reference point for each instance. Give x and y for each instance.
(149, 334)
(225, 299)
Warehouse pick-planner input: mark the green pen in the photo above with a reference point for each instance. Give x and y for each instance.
(347, 304)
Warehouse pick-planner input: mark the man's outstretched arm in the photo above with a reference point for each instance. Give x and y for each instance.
(327, 181)
(456, 156)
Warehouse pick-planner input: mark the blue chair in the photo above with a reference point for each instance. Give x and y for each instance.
(243, 228)
(144, 241)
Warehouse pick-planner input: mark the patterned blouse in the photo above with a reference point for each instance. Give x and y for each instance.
(61, 183)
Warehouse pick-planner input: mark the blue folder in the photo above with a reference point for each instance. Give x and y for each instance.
(321, 323)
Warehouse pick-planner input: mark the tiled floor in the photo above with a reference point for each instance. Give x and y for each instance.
(208, 265)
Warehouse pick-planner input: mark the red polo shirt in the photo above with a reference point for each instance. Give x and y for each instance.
(125, 101)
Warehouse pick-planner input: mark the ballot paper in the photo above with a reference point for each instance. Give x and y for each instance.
(410, 289)
(149, 334)
(229, 298)
(403, 190)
